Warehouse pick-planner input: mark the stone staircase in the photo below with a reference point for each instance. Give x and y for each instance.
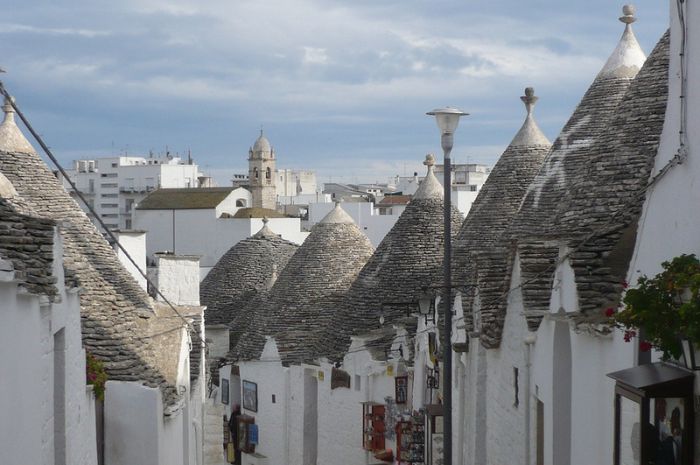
(213, 432)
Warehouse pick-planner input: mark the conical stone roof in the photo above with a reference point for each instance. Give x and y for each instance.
(480, 251)
(308, 291)
(569, 163)
(568, 160)
(241, 273)
(599, 217)
(408, 260)
(117, 316)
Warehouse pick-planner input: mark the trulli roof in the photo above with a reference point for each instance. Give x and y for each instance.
(599, 216)
(569, 156)
(408, 260)
(241, 273)
(482, 255)
(117, 315)
(308, 291)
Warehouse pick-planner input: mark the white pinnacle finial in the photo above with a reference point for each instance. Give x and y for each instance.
(627, 58)
(529, 134)
(529, 99)
(628, 14)
(11, 138)
(265, 220)
(429, 161)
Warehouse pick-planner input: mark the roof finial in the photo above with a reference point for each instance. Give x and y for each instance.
(261, 130)
(529, 99)
(628, 14)
(265, 220)
(7, 107)
(429, 161)
(529, 134)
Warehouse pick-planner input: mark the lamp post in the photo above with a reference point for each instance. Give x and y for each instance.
(447, 121)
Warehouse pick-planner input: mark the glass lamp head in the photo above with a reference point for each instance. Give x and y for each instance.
(424, 302)
(447, 118)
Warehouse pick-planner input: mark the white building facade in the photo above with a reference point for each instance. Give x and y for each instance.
(114, 185)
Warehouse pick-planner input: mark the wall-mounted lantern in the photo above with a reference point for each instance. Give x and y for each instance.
(426, 306)
(690, 355)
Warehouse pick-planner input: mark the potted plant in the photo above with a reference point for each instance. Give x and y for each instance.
(95, 375)
(666, 307)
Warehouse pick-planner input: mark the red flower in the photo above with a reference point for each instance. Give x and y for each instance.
(625, 285)
(645, 346)
(629, 334)
(609, 312)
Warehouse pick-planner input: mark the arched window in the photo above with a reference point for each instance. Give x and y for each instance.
(255, 173)
(240, 203)
(268, 173)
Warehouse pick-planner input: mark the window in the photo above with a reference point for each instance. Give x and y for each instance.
(358, 382)
(128, 223)
(91, 186)
(109, 205)
(114, 165)
(129, 205)
(109, 196)
(516, 402)
(108, 185)
(108, 175)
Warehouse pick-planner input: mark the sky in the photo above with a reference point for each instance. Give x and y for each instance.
(340, 87)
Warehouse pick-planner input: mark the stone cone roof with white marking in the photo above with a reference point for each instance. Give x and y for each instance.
(598, 219)
(408, 260)
(481, 252)
(241, 273)
(567, 164)
(569, 158)
(117, 316)
(595, 219)
(308, 291)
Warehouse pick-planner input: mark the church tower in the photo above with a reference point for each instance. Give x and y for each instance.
(261, 172)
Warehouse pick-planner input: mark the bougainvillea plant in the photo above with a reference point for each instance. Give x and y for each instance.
(666, 307)
(95, 375)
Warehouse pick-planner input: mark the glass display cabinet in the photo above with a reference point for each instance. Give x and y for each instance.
(654, 414)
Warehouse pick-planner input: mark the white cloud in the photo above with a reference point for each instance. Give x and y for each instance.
(9, 28)
(315, 56)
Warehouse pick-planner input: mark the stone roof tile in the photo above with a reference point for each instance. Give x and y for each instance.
(115, 311)
(408, 260)
(241, 273)
(307, 293)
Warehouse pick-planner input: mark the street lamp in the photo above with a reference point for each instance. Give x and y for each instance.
(447, 120)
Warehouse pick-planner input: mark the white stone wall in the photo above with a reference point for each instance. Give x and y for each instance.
(178, 279)
(199, 232)
(270, 379)
(669, 226)
(218, 341)
(135, 245)
(30, 431)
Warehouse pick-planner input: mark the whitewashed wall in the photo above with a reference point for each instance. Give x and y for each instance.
(199, 232)
(669, 225)
(31, 391)
(135, 244)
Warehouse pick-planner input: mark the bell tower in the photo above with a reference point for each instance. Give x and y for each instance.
(261, 173)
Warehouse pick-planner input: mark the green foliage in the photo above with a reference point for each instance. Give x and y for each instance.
(666, 306)
(96, 375)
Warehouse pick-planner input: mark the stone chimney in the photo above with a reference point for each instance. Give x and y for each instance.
(177, 278)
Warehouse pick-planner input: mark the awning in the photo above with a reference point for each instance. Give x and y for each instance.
(656, 380)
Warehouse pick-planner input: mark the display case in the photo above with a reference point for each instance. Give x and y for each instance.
(373, 426)
(245, 424)
(410, 440)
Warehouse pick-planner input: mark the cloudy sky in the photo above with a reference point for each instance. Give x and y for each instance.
(341, 87)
